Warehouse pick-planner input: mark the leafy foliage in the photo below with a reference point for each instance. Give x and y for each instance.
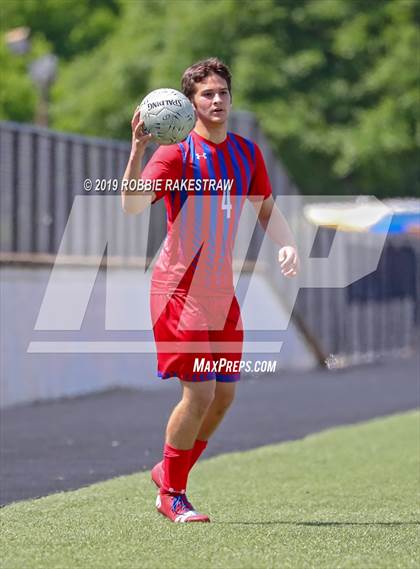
(334, 83)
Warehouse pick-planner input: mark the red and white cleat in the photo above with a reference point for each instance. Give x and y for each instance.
(157, 474)
(178, 509)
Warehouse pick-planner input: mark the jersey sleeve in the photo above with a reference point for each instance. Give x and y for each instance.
(165, 164)
(260, 187)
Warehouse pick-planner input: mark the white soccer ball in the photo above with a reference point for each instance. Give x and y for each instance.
(168, 115)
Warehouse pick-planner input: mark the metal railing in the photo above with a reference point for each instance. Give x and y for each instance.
(375, 316)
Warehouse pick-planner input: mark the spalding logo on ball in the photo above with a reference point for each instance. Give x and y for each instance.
(168, 115)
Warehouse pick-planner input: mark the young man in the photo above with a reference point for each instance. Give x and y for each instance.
(194, 310)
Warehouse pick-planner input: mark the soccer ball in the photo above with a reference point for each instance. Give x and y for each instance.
(168, 115)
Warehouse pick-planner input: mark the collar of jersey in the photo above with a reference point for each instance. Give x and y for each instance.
(209, 142)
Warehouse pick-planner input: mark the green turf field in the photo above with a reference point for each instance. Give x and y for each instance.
(343, 498)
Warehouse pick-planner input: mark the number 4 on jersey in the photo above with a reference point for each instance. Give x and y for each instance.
(226, 203)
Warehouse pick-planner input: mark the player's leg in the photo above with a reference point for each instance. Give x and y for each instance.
(193, 420)
(231, 334)
(184, 423)
(181, 433)
(187, 417)
(183, 426)
(198, 393)
(178, 322)
(223, 399)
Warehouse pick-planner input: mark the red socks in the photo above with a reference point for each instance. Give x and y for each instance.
(177, 464)
(196, 451)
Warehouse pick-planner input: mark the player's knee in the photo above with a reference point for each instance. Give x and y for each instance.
(200, 406)
(199, 400)
(223, 401)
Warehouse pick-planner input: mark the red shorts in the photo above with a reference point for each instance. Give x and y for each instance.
(197, 338)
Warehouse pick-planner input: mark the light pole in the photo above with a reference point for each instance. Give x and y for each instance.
(43, 72)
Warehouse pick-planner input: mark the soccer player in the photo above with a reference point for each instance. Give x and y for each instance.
(194, 310)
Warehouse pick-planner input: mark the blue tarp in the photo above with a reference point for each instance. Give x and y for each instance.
(400, 223)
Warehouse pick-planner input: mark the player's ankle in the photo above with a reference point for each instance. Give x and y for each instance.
(170, 491)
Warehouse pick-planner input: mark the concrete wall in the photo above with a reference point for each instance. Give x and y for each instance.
(31, 375)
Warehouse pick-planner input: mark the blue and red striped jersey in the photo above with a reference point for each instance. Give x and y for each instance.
(204, 186)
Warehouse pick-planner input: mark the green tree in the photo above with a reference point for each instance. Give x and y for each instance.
(341, 101)
(63, 27)
(71, 27)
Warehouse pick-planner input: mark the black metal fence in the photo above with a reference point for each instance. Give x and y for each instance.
(375, 316)
(41, 173)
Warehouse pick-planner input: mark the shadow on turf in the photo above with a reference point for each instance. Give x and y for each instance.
(320, 524)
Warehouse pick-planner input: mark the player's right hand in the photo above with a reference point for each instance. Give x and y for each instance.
(139, 139)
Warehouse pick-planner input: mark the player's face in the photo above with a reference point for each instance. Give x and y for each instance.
(212, 100)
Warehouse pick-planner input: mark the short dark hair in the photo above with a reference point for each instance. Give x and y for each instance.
(202, 69)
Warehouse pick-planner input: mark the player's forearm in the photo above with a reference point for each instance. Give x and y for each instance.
(277, 227)
(134, 166)
(134, 200)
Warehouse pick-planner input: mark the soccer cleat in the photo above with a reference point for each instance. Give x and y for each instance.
(157, 474)
(178, 509)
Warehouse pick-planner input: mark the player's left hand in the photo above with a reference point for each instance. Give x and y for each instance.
(289, 261)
